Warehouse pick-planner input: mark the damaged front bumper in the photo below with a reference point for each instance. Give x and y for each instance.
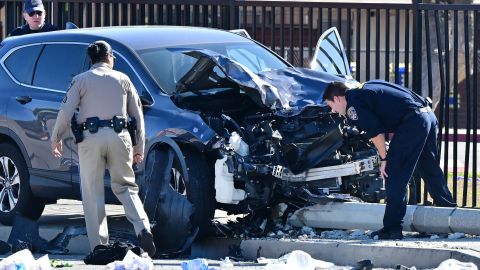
(337, 171)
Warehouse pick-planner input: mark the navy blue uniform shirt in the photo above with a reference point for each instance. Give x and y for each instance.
(379, 106)
(25, 29)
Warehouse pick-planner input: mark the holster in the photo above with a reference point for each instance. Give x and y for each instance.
(77, 130)
(132, 130)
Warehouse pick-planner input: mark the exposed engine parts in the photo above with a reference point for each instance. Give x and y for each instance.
(270, 157)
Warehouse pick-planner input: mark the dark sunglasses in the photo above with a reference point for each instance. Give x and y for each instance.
(36, 12)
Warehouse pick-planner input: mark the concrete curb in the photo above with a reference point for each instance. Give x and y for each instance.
(339, 252)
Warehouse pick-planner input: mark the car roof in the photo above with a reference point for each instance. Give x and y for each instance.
(138, 37)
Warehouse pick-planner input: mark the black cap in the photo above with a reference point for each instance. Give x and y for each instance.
(33, 5)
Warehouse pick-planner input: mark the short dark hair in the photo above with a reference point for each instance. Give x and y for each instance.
(334, 89)
(98, 51)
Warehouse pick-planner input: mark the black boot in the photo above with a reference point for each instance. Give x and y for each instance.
(385, 234)
(146, 242)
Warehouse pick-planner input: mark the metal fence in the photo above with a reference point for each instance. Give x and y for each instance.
(428, 47)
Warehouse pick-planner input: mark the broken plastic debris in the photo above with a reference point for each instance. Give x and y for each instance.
(196, 264)
(456, 235)
(357, 233)
(132, 261)
(279, 210)
(226, 263)
(298, 260)
(306, 230)
(452, 264)
(334, 234)
(24, 260)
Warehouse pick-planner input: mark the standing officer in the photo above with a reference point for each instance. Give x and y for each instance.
(106, 142)
(380, 107)
(34, 14)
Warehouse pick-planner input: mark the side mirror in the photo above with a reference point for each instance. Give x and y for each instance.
(70, 25)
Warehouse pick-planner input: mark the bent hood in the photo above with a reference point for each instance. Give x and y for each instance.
(284, 89)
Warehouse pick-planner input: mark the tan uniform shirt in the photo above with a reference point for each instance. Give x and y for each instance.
(104, 93)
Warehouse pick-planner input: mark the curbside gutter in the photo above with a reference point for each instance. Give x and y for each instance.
(339, 252)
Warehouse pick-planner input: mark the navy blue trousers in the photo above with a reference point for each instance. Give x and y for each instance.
(413, 145)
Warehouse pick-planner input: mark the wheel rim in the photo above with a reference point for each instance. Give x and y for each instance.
(177, 182)
(9, 184)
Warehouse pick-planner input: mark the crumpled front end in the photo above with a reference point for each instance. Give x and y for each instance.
(276, 139)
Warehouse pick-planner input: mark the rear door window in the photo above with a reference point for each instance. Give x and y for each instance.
(21, 63)
(58, 64)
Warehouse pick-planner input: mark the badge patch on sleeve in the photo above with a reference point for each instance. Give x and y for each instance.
(71, 84)
(352, 113)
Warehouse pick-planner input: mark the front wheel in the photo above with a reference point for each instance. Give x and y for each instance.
(15, 192)
(178, 197)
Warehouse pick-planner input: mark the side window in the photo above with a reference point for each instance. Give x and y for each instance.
(122, 66)
(58, 64)
(22, 62)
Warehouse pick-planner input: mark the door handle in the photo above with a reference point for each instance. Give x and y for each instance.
(23, 99)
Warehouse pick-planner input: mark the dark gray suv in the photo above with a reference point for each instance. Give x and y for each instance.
(229, 125)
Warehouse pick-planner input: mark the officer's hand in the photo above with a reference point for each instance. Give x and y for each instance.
(137, 158)
(383, 166)
(57, 148)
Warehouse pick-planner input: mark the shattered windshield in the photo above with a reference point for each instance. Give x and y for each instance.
(168, 65)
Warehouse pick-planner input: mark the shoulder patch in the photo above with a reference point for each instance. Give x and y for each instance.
(71, 84)
(352, 113)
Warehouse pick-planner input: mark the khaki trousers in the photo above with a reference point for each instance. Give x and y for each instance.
(107, 148)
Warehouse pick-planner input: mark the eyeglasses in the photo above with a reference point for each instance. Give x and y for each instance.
(36, 12)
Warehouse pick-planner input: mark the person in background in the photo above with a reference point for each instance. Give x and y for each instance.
(34, 14)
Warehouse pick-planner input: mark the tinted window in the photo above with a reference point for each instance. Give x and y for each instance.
(22, 62)
(58, 64)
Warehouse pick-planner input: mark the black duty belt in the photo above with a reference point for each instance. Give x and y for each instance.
(92, 124)
(416, 111)
(99, 123)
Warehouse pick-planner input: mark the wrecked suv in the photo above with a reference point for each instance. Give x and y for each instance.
(229, 124)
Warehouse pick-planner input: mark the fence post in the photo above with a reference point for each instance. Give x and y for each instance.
(417, 47)
(232, 14)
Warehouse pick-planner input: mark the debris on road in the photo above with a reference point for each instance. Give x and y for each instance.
(452, 264)
(60, 264)
(132, 261)
(456, 236)
(103, 255)
(196, 264)
(25, 235)
(364, 265)
(226, 262)
(297, 259)
(24, 260)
